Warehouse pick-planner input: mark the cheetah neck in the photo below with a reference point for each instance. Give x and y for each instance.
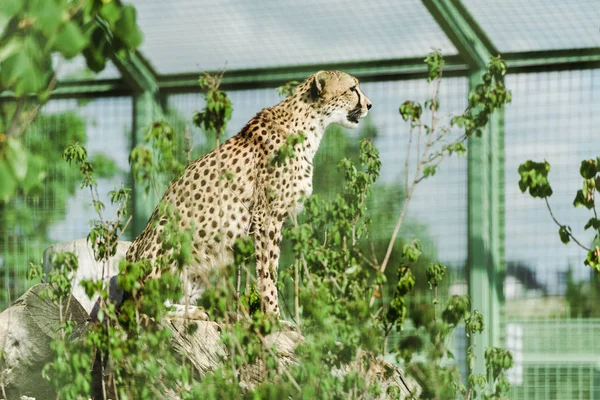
(303, 117)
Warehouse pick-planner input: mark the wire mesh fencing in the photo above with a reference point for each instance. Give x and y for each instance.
(58, 210)
(550, 312)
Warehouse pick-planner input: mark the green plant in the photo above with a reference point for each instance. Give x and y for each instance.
(24, 228)
(433, 141)
(534, 177)
(344, 303)
(125, 340)
(32, 33)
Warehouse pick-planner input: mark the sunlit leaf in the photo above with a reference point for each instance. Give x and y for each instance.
(126, 28)
(70, 40)
(16, 158)
(8, 183)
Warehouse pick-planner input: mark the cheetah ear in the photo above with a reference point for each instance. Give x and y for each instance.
(317, 84)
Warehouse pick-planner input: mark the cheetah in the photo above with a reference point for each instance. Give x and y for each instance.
(262, 193)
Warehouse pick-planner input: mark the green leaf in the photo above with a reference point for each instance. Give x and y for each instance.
(593, 258)
(412, 250)
(126, 28)
(35, 173)
(13, 69)
(48, 16)
(435, 273)
(13, 46)
(534, 176)
(582, 200)
(8, 183)
(429, 170)
(565, 233)
(456, 310)
(95, 54)
(411, 110)
(16, 158)
(110, 12)
(31, 81)
(593, 222)
(435, 64)
(104, 166)
(406, 282)
(9, 8)
(588, 169)
(70, 40)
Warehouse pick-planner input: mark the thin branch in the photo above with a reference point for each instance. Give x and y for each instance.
(297, 296)
(421, 161)
(437, 164)
(375, 260)
(561, 225)
(12, 127)
(18, 129)
(372, 264)
(407, 161)
(435, 302)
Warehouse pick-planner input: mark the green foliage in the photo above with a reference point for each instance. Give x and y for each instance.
(485, 98)
(456, 310)
(132, 338)
(439, 379)
(13, 166)
(286, 150)
(217, 111)
(23, 228)
(159, 161)
(534, 176)
(435, 65)
(31, 33)
(411, 110)
(288, 89)
(35, 30)
(564, 232)
(497, 361)
(345, 304)
(69, 370)
(583, 297)
(435, 273)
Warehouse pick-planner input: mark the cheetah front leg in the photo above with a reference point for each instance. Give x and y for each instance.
(267, 238)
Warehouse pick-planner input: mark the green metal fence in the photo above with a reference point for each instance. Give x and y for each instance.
(554, 117)
(501, 245)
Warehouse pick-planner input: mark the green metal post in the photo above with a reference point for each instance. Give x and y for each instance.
(486, 228)
(485, 180)
(146, 109)
(479, 245)
(497, 266)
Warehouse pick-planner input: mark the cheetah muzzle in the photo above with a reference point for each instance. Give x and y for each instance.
(262, 194)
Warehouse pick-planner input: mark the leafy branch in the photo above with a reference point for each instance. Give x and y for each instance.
(484, 99)
(534, 177)
(31, 36)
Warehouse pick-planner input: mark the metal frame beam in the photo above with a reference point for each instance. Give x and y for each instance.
(137, 73)
(380, 70)
(553, 60)
(473, 46)
(485, 179)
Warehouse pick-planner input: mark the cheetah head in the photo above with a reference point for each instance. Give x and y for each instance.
(339, 98)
